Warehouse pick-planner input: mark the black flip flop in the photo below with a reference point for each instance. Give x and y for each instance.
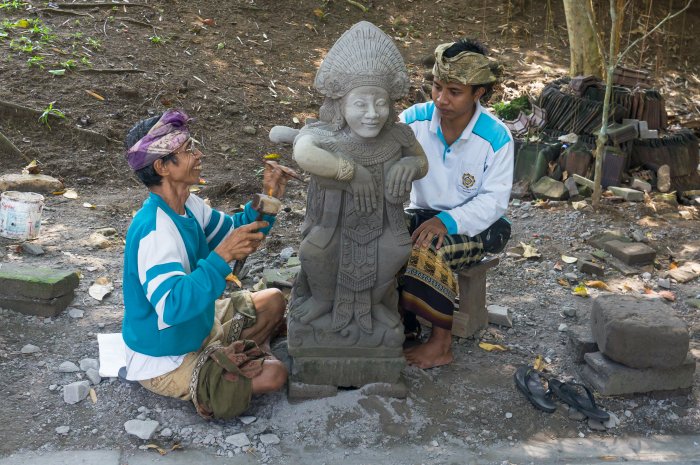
(570, 394)
(527, 379)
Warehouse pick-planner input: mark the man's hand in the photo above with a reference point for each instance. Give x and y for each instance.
(275, 178)
(362, 186)
(242, 241)
(426, 232)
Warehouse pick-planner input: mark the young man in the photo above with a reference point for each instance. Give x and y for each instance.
(181, 341)
(457, 206)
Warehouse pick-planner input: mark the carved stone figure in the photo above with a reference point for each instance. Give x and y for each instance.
(344, 327)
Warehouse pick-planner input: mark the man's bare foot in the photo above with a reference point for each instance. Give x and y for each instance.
(437, 351)
(428, 355)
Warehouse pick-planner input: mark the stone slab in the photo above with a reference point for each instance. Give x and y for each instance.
(346, 371)
(39, 183)
(640, 185)
(639, 333)
(35, 282)
(630, 195)
(581, 342)
(549, 188)
(631, 253)
(301, 391)
(591, 268)
(599, 240)
(38, 307)
(499, 315)
(611, 378)
(580, 180)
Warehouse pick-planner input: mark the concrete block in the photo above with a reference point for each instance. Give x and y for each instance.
(591, 268)
(36, 282)
(611, 378)
(580, 180)
(38, 307)
(499, 315)
(571, 187)
(39, 183)
(300, 391)
(549, 188)
(631, 253)
(75, 392)
(628, 194)
(581, 342)
(640, 185)
(472, 315)
(639, 333)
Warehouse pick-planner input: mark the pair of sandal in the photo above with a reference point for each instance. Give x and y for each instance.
(529, 381)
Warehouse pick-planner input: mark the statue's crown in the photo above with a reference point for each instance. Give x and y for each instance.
(363, 56)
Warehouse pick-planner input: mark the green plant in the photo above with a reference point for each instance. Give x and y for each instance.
(221, 45)
(12, 4)
(69, 64)
(95, 44)
(35, 61)
(511, 110)
(85, 62)
(50, 111)
(156, 39)
(78, 35)
(23, 44)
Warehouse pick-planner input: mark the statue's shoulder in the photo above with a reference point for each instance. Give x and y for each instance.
(403, 134)
(319, 129)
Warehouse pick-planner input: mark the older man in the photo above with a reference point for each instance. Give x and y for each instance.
(457, 206)
(181, 341)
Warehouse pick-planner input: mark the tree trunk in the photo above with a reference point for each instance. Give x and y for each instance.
(586, 57)
(616, 10)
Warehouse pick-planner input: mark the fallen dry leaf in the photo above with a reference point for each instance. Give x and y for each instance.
(88, 205)
(95, 95)
(539, 363)
(668, 295)
(491, 347)
(563, 282)
(70, 194)
(580, 291)
(100, 288)
(93, 396)
(529, 251)
(31, 168)
(597, 285)
(569, 260)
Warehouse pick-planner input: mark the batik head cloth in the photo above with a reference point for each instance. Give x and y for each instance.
(465, 67)
(169, 133)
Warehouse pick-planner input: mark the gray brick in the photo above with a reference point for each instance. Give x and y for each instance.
(611, 378)
(628, 194)
(581, 342)
(639, 333)
(631, 253)
(591, 268)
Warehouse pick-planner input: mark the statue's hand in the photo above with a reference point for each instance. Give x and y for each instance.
(362, 186)
(400, 177)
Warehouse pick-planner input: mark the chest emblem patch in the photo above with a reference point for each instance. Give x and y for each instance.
(468, 180)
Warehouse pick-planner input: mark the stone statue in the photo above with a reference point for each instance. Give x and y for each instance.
(344, 327)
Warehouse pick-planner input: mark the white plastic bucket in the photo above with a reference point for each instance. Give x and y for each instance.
(20, 214)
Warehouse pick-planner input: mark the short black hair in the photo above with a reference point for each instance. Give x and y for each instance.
(148, 175)
(474, 46)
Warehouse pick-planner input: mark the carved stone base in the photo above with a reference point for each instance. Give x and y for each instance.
(347, 371)
(302, 391)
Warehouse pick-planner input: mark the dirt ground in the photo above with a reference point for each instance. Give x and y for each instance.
(241, 67)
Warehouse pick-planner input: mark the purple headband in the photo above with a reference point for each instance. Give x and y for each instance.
(169, 133)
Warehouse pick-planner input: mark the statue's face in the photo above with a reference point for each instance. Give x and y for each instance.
(366, 109)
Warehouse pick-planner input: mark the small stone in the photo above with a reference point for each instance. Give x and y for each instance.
(628, 414)
(93, 375)
(89, 363)
(250, 130)
(247, 420)
(572, 277)
(286, 253)
(75, 392)
(143, 409)
(68, 367)
(576, 415)
(434, 443)
(101, 325)
(509, 415)
(581, 435)
(75, 313)
(32, 249)
(595, 425)
(106, 232)
(269, 439)
(62, 430)
(563, 328)
(142, 429)
(29, 349)
(612, 422)
(569, 311)
(166, 433)
(141, 416)
(97, 241)
(238, 440)
(646, 276)
(53, 387)
(639, 236)
(664, 283)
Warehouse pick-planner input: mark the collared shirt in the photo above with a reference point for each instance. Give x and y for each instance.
(469, 181)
